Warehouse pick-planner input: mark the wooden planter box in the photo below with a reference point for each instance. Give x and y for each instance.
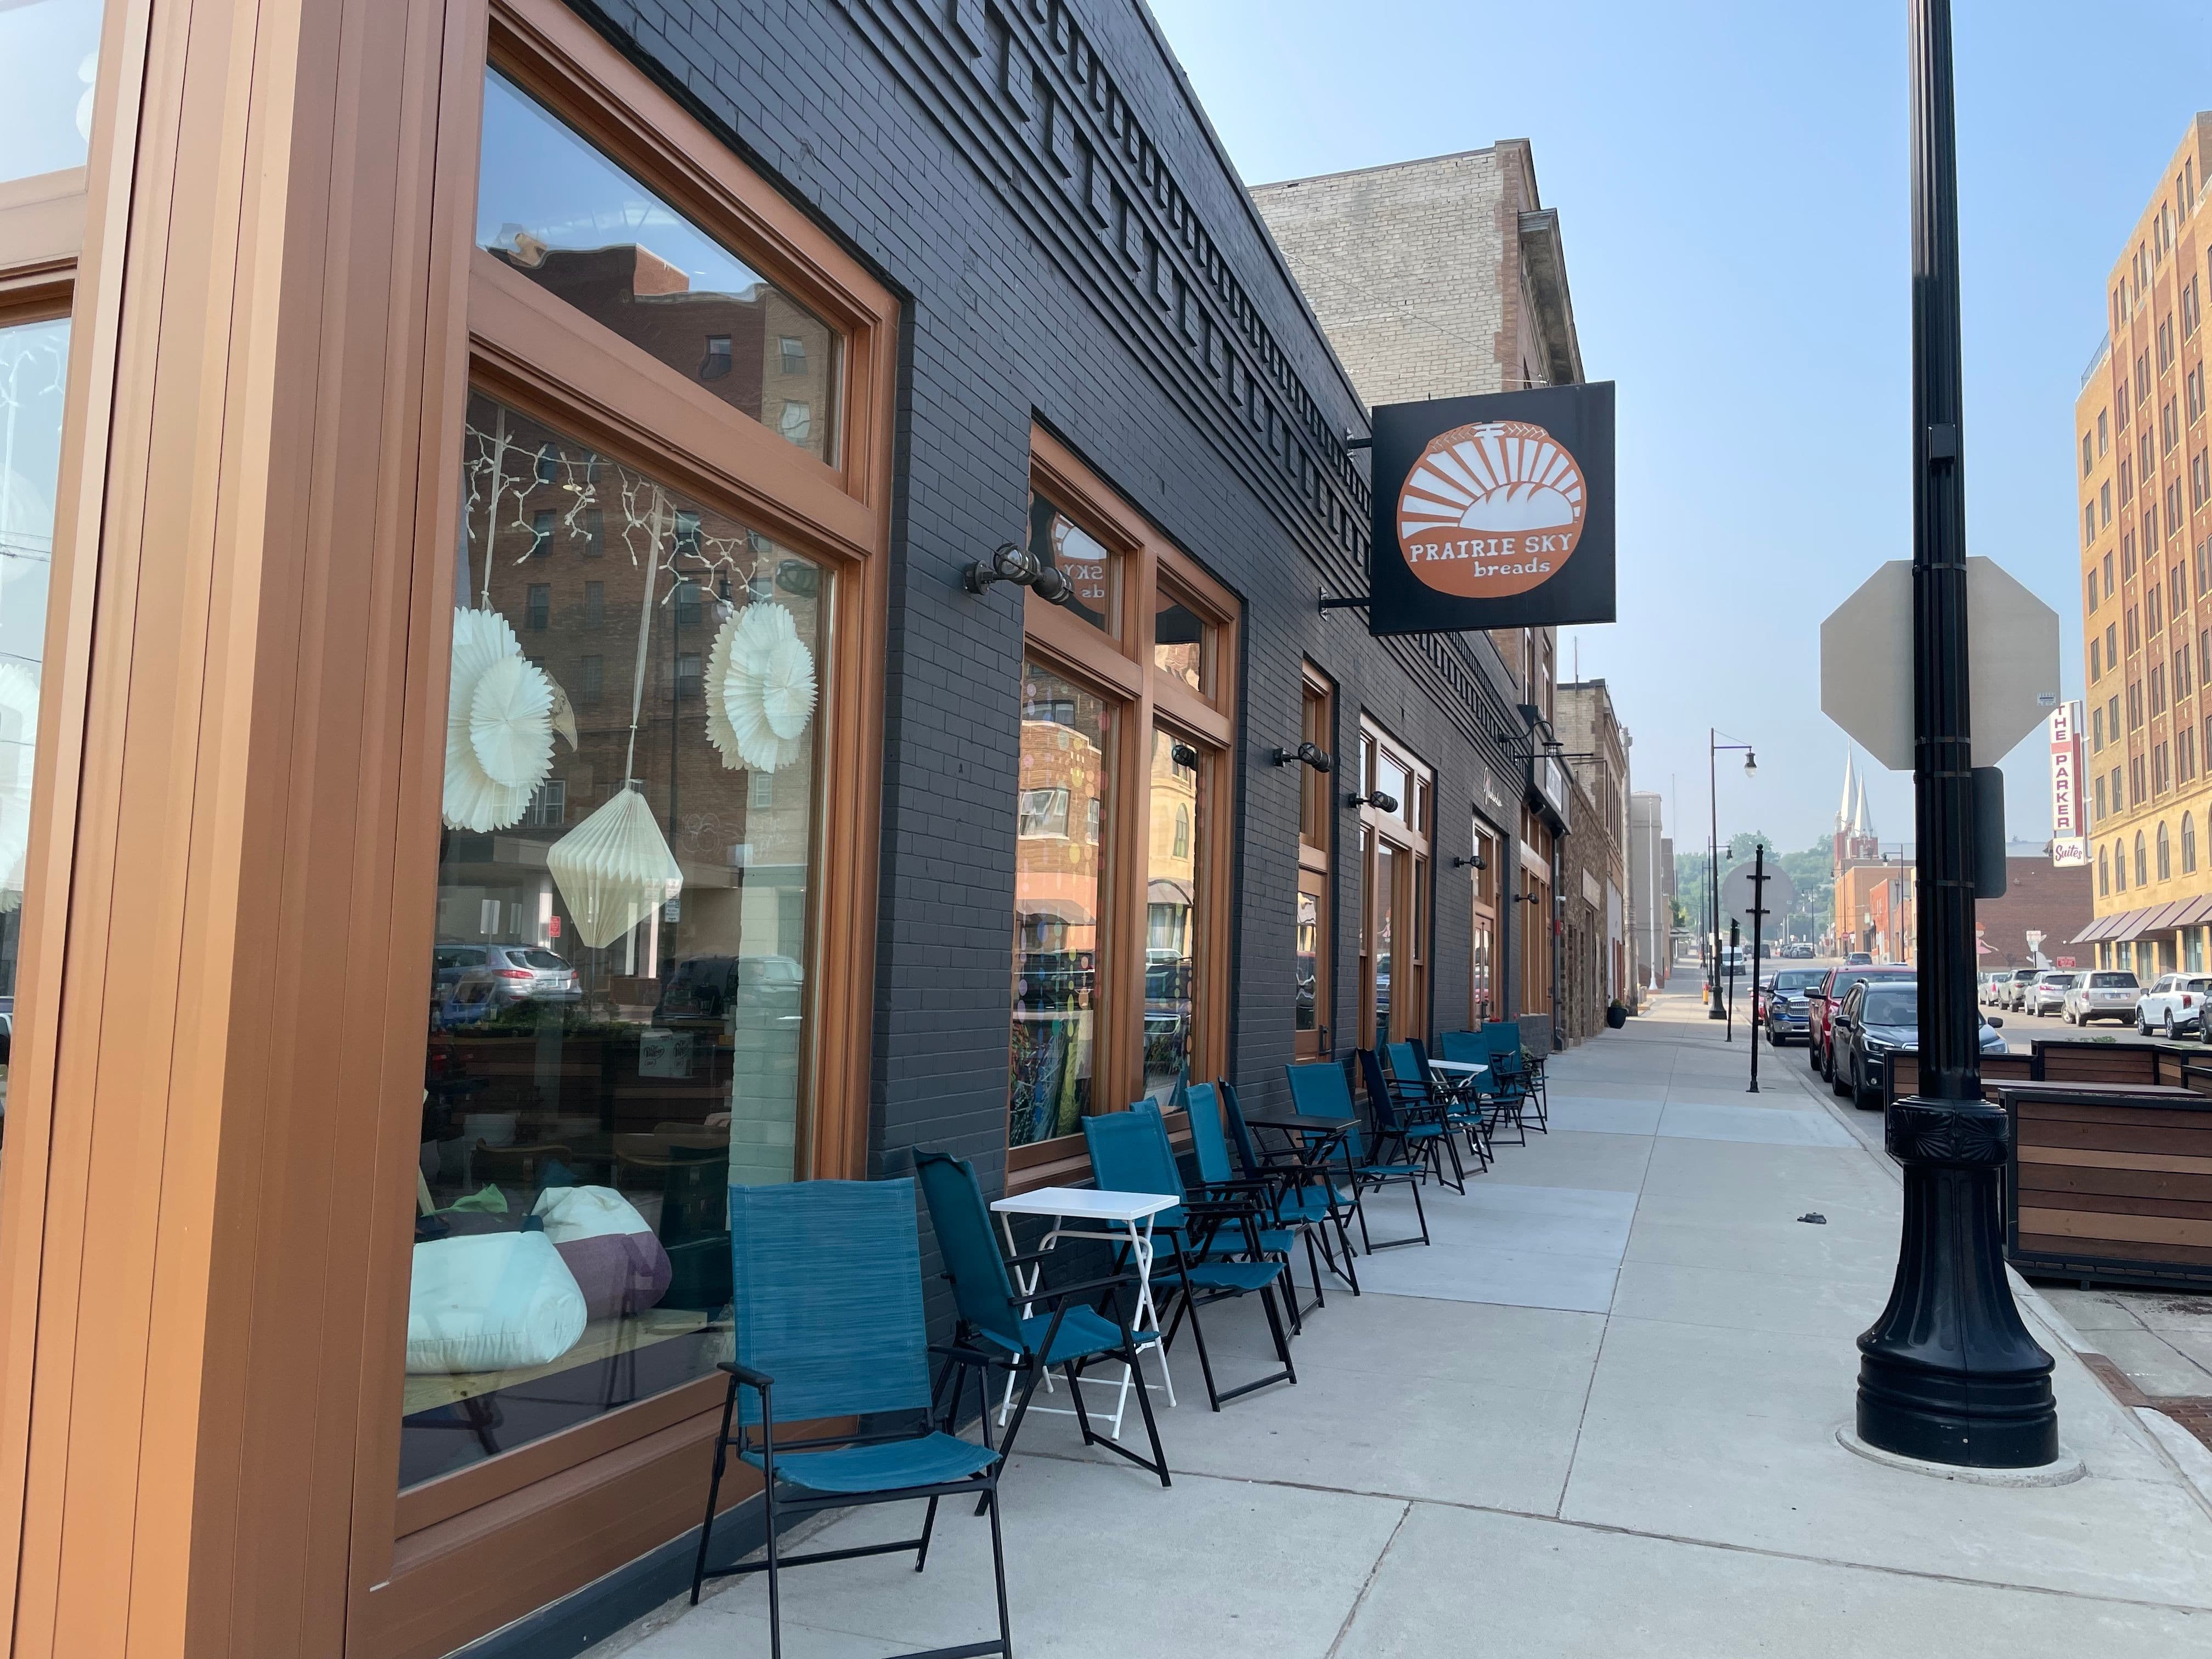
(2110, 1185)
(2070, 1060)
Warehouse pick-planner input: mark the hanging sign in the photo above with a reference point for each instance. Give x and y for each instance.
(2069, 828)
(1493, 512)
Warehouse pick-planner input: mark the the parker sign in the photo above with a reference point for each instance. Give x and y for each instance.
(2069, 828)
(1493, 512)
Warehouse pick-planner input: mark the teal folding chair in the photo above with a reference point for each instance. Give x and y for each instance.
(1303, 1197)
(827, 1298)
(1218, 1180)
(1413, 1094)
(1130, 1153)
(996, 1319)
(1320, 1089)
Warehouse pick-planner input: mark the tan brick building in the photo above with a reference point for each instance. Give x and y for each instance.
(2139, 453)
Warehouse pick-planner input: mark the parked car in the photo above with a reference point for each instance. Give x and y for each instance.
(1821, 1000)
(1876, 1018)
(2103, 993)
(704, 993)
(2013, 993)
(1782, 1008)
(471, 981)
(1990, 983)
(1857, 959)
(2048, 995)
(2174, 1004)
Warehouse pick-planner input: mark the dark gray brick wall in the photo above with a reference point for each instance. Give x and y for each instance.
(975, 192)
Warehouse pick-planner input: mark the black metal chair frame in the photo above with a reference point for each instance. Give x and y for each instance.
(1031, 1366)
(1188, 1302)
(985, 1486)
(1303, 1166)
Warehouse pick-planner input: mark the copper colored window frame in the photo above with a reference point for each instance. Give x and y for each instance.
(202, 1287)
(1413, 898)
(531, 350)
(1119, 666)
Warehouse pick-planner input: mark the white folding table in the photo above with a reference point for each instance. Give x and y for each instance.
(1116, 1218)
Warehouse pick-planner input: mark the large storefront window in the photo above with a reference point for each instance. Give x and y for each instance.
(554, 208)
(622, 981)
(34, 370)
(1117, 990)
(1482, 964)
(1393, 847)
(51, 49)
(1067, 743)
(1175, 911)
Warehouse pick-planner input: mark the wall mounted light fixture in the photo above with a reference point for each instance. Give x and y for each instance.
(1022, 567)
(1478, 862)
(1307, 754)
(1375, 799)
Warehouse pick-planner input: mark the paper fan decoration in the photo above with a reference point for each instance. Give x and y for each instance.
(760, 690)
(499, 727)
(613, 868)
(19, 733)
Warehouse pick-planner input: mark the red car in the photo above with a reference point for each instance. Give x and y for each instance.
(1825, 995)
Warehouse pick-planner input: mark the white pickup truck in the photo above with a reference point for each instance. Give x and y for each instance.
(2174, 1003)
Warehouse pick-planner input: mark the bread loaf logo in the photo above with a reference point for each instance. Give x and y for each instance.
(1490, 509)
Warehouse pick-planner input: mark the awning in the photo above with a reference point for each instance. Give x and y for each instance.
(2165, 916)
(2194, 911)
(2124, 925)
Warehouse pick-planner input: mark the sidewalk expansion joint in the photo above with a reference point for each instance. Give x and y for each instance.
(1612, 1529)
(1366, 1584)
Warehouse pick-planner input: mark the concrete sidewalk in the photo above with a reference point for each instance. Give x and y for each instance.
(1597, 1417)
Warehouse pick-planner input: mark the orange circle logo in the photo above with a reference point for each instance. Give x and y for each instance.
(1490, 509)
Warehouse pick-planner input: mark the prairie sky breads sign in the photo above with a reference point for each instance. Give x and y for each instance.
(1493, 512)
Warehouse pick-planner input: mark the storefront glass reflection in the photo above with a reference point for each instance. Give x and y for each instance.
(554, 208)
(620, 987)
(1173, 911)
(1059, 864)
(52, 52)
(33, 372)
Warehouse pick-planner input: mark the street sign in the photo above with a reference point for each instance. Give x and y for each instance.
(1736, 893)
(2062, 962)
(1866, 663)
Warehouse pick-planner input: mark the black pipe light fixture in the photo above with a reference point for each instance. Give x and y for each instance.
(1476, 862)
(1021, 567)
(1306, 754)
(1374, 798)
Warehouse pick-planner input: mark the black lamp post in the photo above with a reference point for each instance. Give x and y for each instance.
(1713, 747)
(1949, 1373)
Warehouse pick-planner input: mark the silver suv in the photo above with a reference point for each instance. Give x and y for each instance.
(2103, 993)
(2048, 995)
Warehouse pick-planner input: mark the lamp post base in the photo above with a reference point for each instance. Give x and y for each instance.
(1949, 1374)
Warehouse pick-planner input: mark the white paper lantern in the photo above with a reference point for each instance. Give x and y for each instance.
(510, 723)
(19, 733)
(761, 690)
(499, 729)
(613, 868)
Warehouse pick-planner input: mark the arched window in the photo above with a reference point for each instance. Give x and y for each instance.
(2143, 868)
(2104, 873)
(1182, 832)
(2165, 854)
(2188, 843)
(2119, 866)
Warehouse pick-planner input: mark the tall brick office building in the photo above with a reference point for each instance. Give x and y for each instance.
(512, 472)
(2142, 456)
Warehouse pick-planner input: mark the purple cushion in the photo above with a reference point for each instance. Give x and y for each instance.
(617, 1273)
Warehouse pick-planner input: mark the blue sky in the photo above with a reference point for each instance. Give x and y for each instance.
(1730, 181)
